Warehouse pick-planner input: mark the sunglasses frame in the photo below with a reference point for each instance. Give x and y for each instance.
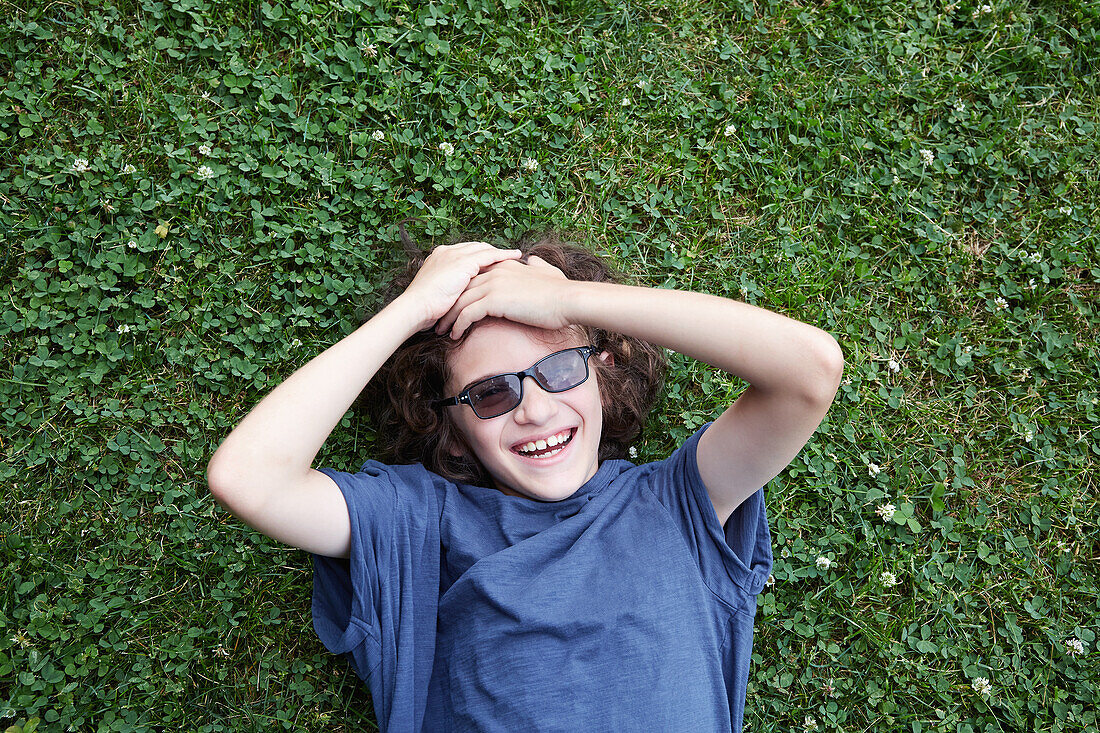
(463, 398)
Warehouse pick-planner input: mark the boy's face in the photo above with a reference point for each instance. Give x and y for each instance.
(497, 347)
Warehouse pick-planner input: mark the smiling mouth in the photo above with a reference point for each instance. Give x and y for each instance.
(547, 447)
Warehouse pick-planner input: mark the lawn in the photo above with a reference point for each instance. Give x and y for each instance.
(196, 197)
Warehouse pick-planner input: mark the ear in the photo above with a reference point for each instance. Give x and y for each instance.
(607, 358)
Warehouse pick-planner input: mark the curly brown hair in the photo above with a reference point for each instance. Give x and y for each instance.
(398, 400)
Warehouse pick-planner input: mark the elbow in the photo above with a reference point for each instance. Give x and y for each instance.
(240, 488)
(826, 362)
(223, 486)
(216, 482)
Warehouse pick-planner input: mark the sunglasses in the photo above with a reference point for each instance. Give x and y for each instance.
(494, 396)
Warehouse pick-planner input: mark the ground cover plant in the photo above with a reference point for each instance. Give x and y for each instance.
(197, 197)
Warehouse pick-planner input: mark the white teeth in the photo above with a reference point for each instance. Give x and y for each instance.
(544, 443)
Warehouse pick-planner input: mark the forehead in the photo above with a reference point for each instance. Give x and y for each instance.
(495, 346)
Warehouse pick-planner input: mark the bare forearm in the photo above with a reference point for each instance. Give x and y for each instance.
(278, 440)
(770, 351)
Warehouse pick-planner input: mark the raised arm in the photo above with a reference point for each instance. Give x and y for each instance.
(262, 471)
(793, 369)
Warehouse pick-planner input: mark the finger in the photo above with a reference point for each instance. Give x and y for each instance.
(472, 293)
(458, 245)
(474, 245)
(461, 248)
(487, 258)
(536, 261)
(469, 315)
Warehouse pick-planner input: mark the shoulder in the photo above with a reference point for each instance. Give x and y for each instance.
(405, 473)
(680, 465)
(407, 485)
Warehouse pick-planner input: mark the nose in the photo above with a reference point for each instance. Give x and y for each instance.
(537, 405)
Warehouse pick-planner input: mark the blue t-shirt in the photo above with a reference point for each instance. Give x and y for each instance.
(624, 607)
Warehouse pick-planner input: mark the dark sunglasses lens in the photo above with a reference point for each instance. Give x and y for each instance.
(563, 371)
(495, 396)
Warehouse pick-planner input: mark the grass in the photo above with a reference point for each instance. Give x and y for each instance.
(917, 178)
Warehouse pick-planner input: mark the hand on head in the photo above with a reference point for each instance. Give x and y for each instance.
(447, 272)
(532, 292)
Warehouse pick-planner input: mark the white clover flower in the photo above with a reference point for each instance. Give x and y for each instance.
(886, 511)
(1001, 303)
(967, 348)
(1028, 435)
(987, 9)
(730, 130)
(927, 156)
(1066, 210)
(378, 136)
(530, 165)
(626, 102)
(370, 50)
(1075, 647)
(896, 179)
(205, 95)
(124, 328)
(888, 579)
(129, 169)
(204, 173)
(204, 149)
(981, 686)
(770, 581)
(1031, 283)
(893, 366)
(296, 343)
(809, 723)
(132, 244)
(633, 452)
(823, 563)
(1034, 258)
(784, 553)
(79, 165)
(640, 84)
(960, 107)
(873, 469)
(109, 207)
(447, 148)
(221, 651)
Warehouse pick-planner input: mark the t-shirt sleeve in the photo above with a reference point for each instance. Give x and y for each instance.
(346, 592)
(735, 559)
(380, 605)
